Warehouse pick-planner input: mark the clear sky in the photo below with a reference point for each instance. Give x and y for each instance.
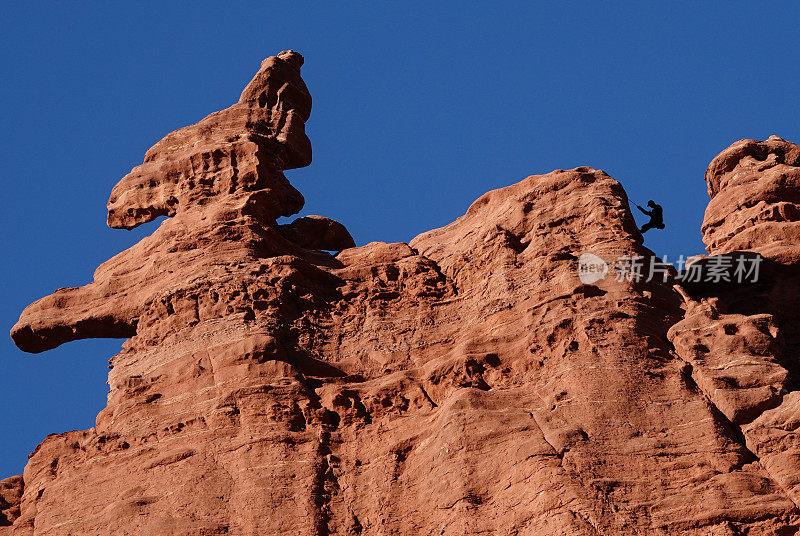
(419, 108)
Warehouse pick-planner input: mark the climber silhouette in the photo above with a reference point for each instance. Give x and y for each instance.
(656, 216)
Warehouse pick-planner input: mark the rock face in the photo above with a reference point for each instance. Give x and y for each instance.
(10, 495)
(744, 343)
(465, 383)
(755, 200)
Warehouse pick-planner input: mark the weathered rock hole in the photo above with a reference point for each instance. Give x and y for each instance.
(493, 360)
(731, 329)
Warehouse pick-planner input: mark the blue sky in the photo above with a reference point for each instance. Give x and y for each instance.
(418, 109)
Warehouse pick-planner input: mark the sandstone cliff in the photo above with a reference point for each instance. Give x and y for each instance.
(464, 383)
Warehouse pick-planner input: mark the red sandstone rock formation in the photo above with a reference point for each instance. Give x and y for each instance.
(464, 383)
(744, 343)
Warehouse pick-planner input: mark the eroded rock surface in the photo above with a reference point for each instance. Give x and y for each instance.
(744, 343)
(10, 496)
(755, 199)
(464, 383)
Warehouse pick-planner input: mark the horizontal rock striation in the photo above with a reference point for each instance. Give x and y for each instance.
(755, 199)
(743, 343)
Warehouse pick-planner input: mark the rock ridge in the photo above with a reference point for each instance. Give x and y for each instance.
(269, 386)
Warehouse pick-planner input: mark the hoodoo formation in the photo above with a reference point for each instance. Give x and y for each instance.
(464, 383)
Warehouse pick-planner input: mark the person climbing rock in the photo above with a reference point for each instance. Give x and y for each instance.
(656, 216)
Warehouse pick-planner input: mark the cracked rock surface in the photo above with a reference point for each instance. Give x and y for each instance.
(464, 383)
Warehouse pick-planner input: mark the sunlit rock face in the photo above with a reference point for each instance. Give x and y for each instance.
(744, 342)
(465, 383)
(755, 200)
